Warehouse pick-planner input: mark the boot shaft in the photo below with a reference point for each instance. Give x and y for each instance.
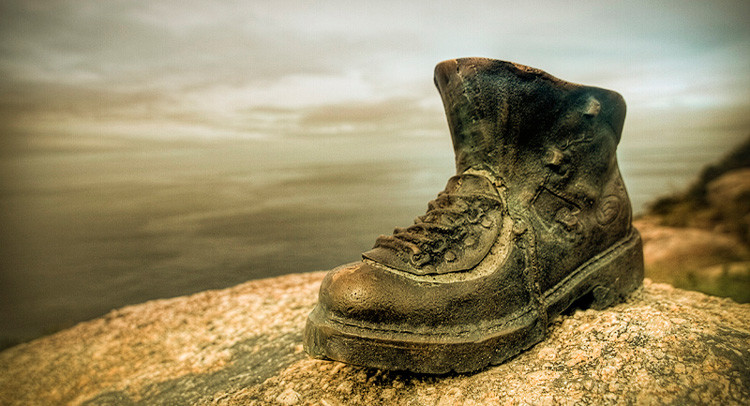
(551, 146)
(504, 118)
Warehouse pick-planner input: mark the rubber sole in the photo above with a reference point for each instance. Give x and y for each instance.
(604, 280)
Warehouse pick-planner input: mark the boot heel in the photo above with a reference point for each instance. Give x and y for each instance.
(602, 282)
(619, 273)
(602, 297)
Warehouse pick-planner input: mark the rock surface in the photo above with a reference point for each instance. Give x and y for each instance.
(693, 258)
(681, 247)
(242, 346)
(730, 195)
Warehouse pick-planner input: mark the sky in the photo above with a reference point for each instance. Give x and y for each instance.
(102, 73)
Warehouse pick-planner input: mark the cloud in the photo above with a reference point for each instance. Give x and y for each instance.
(172, 69)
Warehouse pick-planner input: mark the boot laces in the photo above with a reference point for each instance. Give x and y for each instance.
(452, 223)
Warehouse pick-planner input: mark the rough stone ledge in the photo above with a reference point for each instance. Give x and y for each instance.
(242, 346)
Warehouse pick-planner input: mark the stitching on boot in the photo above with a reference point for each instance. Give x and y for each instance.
(531, 274)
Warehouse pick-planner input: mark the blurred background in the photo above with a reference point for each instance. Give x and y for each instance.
(156, 149)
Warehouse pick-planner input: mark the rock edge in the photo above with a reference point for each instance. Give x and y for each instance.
(242, 346)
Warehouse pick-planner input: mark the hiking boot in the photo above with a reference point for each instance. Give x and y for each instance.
(536, 218)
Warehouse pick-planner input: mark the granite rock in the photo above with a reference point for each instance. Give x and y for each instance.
(242, 346)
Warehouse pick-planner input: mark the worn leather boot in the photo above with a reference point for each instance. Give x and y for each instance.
(536, 219)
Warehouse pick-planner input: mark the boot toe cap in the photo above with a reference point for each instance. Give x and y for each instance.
(369, 296)
(358, 292)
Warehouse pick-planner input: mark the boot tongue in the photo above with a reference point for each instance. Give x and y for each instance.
(455, 235)
(491, 104)
(464, 101)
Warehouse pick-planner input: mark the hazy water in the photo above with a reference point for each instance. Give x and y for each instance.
(86, 231)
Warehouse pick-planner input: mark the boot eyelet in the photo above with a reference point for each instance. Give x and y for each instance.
(450, 256)
(419, 259)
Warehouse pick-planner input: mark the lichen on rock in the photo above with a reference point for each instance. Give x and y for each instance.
(242, 346)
